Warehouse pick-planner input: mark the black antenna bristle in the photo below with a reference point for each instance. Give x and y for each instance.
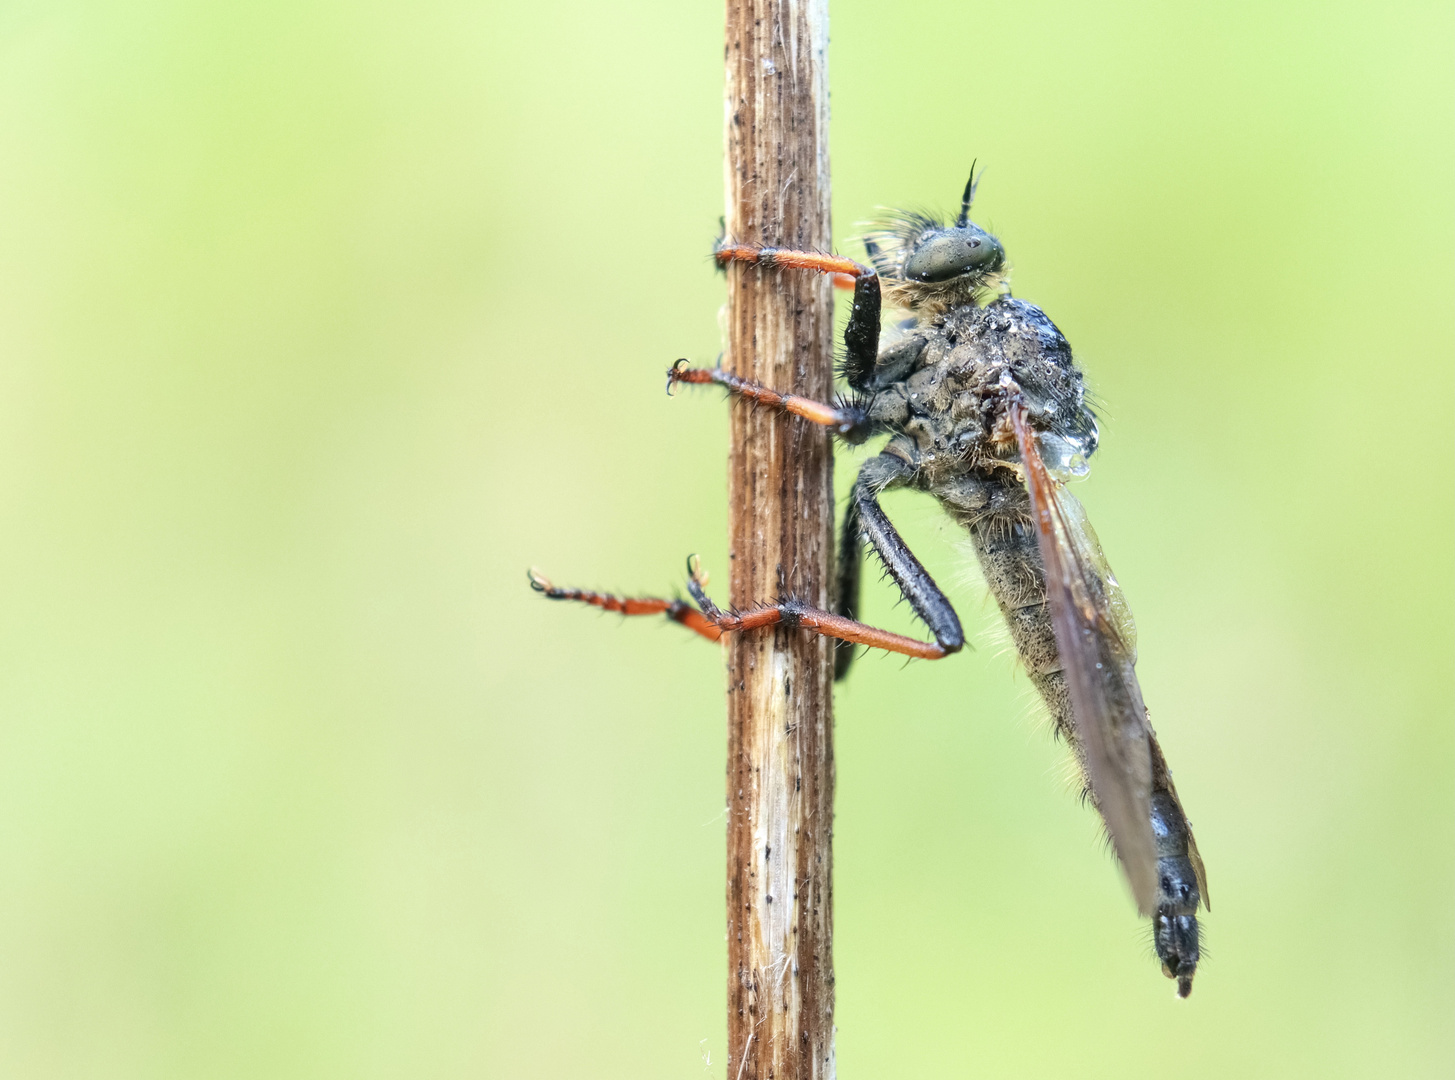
(968, 197)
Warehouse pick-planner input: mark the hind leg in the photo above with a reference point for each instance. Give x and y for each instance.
(712, 622)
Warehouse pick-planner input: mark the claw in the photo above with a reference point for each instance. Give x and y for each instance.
(672, 373)
(697, 586)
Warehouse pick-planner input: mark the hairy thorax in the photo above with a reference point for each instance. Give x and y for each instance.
(944, 389)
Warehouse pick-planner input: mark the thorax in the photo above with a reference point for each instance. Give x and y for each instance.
(944, 388)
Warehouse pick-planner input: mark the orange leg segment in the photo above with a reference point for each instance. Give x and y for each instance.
(678, 611)
(792, 613)
(861, 333)
(849, 421)
(788, 259)
(712, 622)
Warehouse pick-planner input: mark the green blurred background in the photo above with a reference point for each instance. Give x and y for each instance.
(320, 322)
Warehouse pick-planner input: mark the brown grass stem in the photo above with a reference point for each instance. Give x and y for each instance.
(780, 710)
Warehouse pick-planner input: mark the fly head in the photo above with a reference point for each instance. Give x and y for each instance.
(928, 265)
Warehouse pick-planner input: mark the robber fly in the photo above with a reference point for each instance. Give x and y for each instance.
(986, 410)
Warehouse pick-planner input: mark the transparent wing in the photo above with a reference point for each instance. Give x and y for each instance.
(1095, 639)
(1162, 778)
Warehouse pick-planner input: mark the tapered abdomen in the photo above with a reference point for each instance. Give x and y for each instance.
(1005, 542)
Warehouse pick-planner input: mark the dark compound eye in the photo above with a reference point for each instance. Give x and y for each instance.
(953, 253)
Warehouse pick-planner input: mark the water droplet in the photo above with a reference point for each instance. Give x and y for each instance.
(1064, 456)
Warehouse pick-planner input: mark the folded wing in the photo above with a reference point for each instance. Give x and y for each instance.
(1097, 646)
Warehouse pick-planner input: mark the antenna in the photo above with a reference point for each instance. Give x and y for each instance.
(968, 197)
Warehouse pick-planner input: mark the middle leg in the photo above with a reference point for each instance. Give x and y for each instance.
(846, 419)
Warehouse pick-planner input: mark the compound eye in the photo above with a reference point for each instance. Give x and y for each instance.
(953, 253)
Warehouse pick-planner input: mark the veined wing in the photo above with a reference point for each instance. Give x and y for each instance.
(1162, 779)
(1094, 564)
(1097, 650)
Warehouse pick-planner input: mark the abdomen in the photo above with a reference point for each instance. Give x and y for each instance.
(997, 514)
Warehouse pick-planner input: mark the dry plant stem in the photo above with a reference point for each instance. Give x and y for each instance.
(780, 719)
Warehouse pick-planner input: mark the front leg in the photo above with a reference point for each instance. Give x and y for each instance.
(861, 335)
